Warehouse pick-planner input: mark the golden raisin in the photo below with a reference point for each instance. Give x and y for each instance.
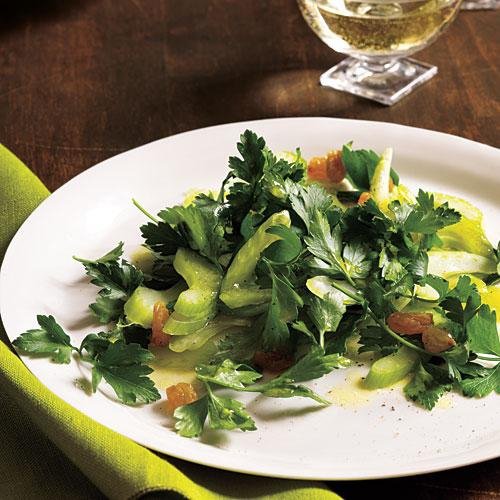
(335, 170)
(437, 339)
(160, 316)
(316, 169)
(409, 323)
(326, 169)
(179, 395)
(273, 361)
(364, 197)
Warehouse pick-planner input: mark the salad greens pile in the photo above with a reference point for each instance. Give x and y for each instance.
(278, 273)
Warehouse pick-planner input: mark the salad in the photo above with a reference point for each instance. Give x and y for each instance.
(281, 276)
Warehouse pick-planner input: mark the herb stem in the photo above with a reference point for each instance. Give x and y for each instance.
(400, 339)
(488, 358)
(144, 211)
(414, 297)
(357, 297)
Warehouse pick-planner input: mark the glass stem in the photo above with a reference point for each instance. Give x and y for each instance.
(378, 66)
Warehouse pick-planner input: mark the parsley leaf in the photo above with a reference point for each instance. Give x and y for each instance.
(360, 165)
(257, 179)
(367, 223)
(228, 374)
(95, 344)
(223, 413)
(439, 284)
(107, 309)
(356, 260)
(239, 346)
(161, 238)
(301, 327)
(423, 217)
(313, 365)
(325, 243)
(306, 200)
(486, 381)
(117, 280)
(286, 249)
(49, 340)
(250, 166)
(424, 389)
(375, 339)
(327, 313)
(227, 413)
(123, 367)
(283, 309)
(464, 292)
(347, 328)
(482, 332)
(200, 228)
(249, 169)
(190, 418)
(112, 256)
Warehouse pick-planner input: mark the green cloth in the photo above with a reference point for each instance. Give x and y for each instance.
(34, 465)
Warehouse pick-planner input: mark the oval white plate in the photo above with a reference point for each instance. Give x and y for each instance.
(370, 435)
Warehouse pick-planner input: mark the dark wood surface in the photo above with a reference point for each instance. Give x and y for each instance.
(81, 81)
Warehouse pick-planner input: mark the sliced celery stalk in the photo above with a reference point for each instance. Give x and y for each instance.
(379, 186)
(220, 325)
(241, 273)
(143, 258)
(446, 263)
(323, 285)
(203, 279)
(177, 324)
(139, 307)
(242, 297)
(245, 311)
(468, 234)
(391, 369)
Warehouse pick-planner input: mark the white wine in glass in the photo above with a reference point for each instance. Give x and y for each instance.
(378, 35)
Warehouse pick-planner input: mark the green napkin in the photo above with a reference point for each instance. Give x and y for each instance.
(32, 466)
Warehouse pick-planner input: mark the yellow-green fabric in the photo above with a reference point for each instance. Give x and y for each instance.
(31, 463)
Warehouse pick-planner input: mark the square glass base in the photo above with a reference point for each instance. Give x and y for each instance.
(386, 83)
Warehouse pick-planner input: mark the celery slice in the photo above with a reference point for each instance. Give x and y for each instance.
(203, 279)
(379, 186)
(220, 325)
(139, 307)
(468, 234)
(391, 369)
(241, 273)
(446, 263)
(245, 311)
(241, 297)
(198, 304)
(177, 324)
(323, 285)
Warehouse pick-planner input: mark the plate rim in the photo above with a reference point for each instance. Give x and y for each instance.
(252, 123)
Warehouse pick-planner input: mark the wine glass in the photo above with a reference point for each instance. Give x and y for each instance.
(378, 35)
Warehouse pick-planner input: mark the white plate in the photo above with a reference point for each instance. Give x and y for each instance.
(364, 436)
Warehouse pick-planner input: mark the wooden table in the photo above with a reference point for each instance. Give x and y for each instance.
(81, 81)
